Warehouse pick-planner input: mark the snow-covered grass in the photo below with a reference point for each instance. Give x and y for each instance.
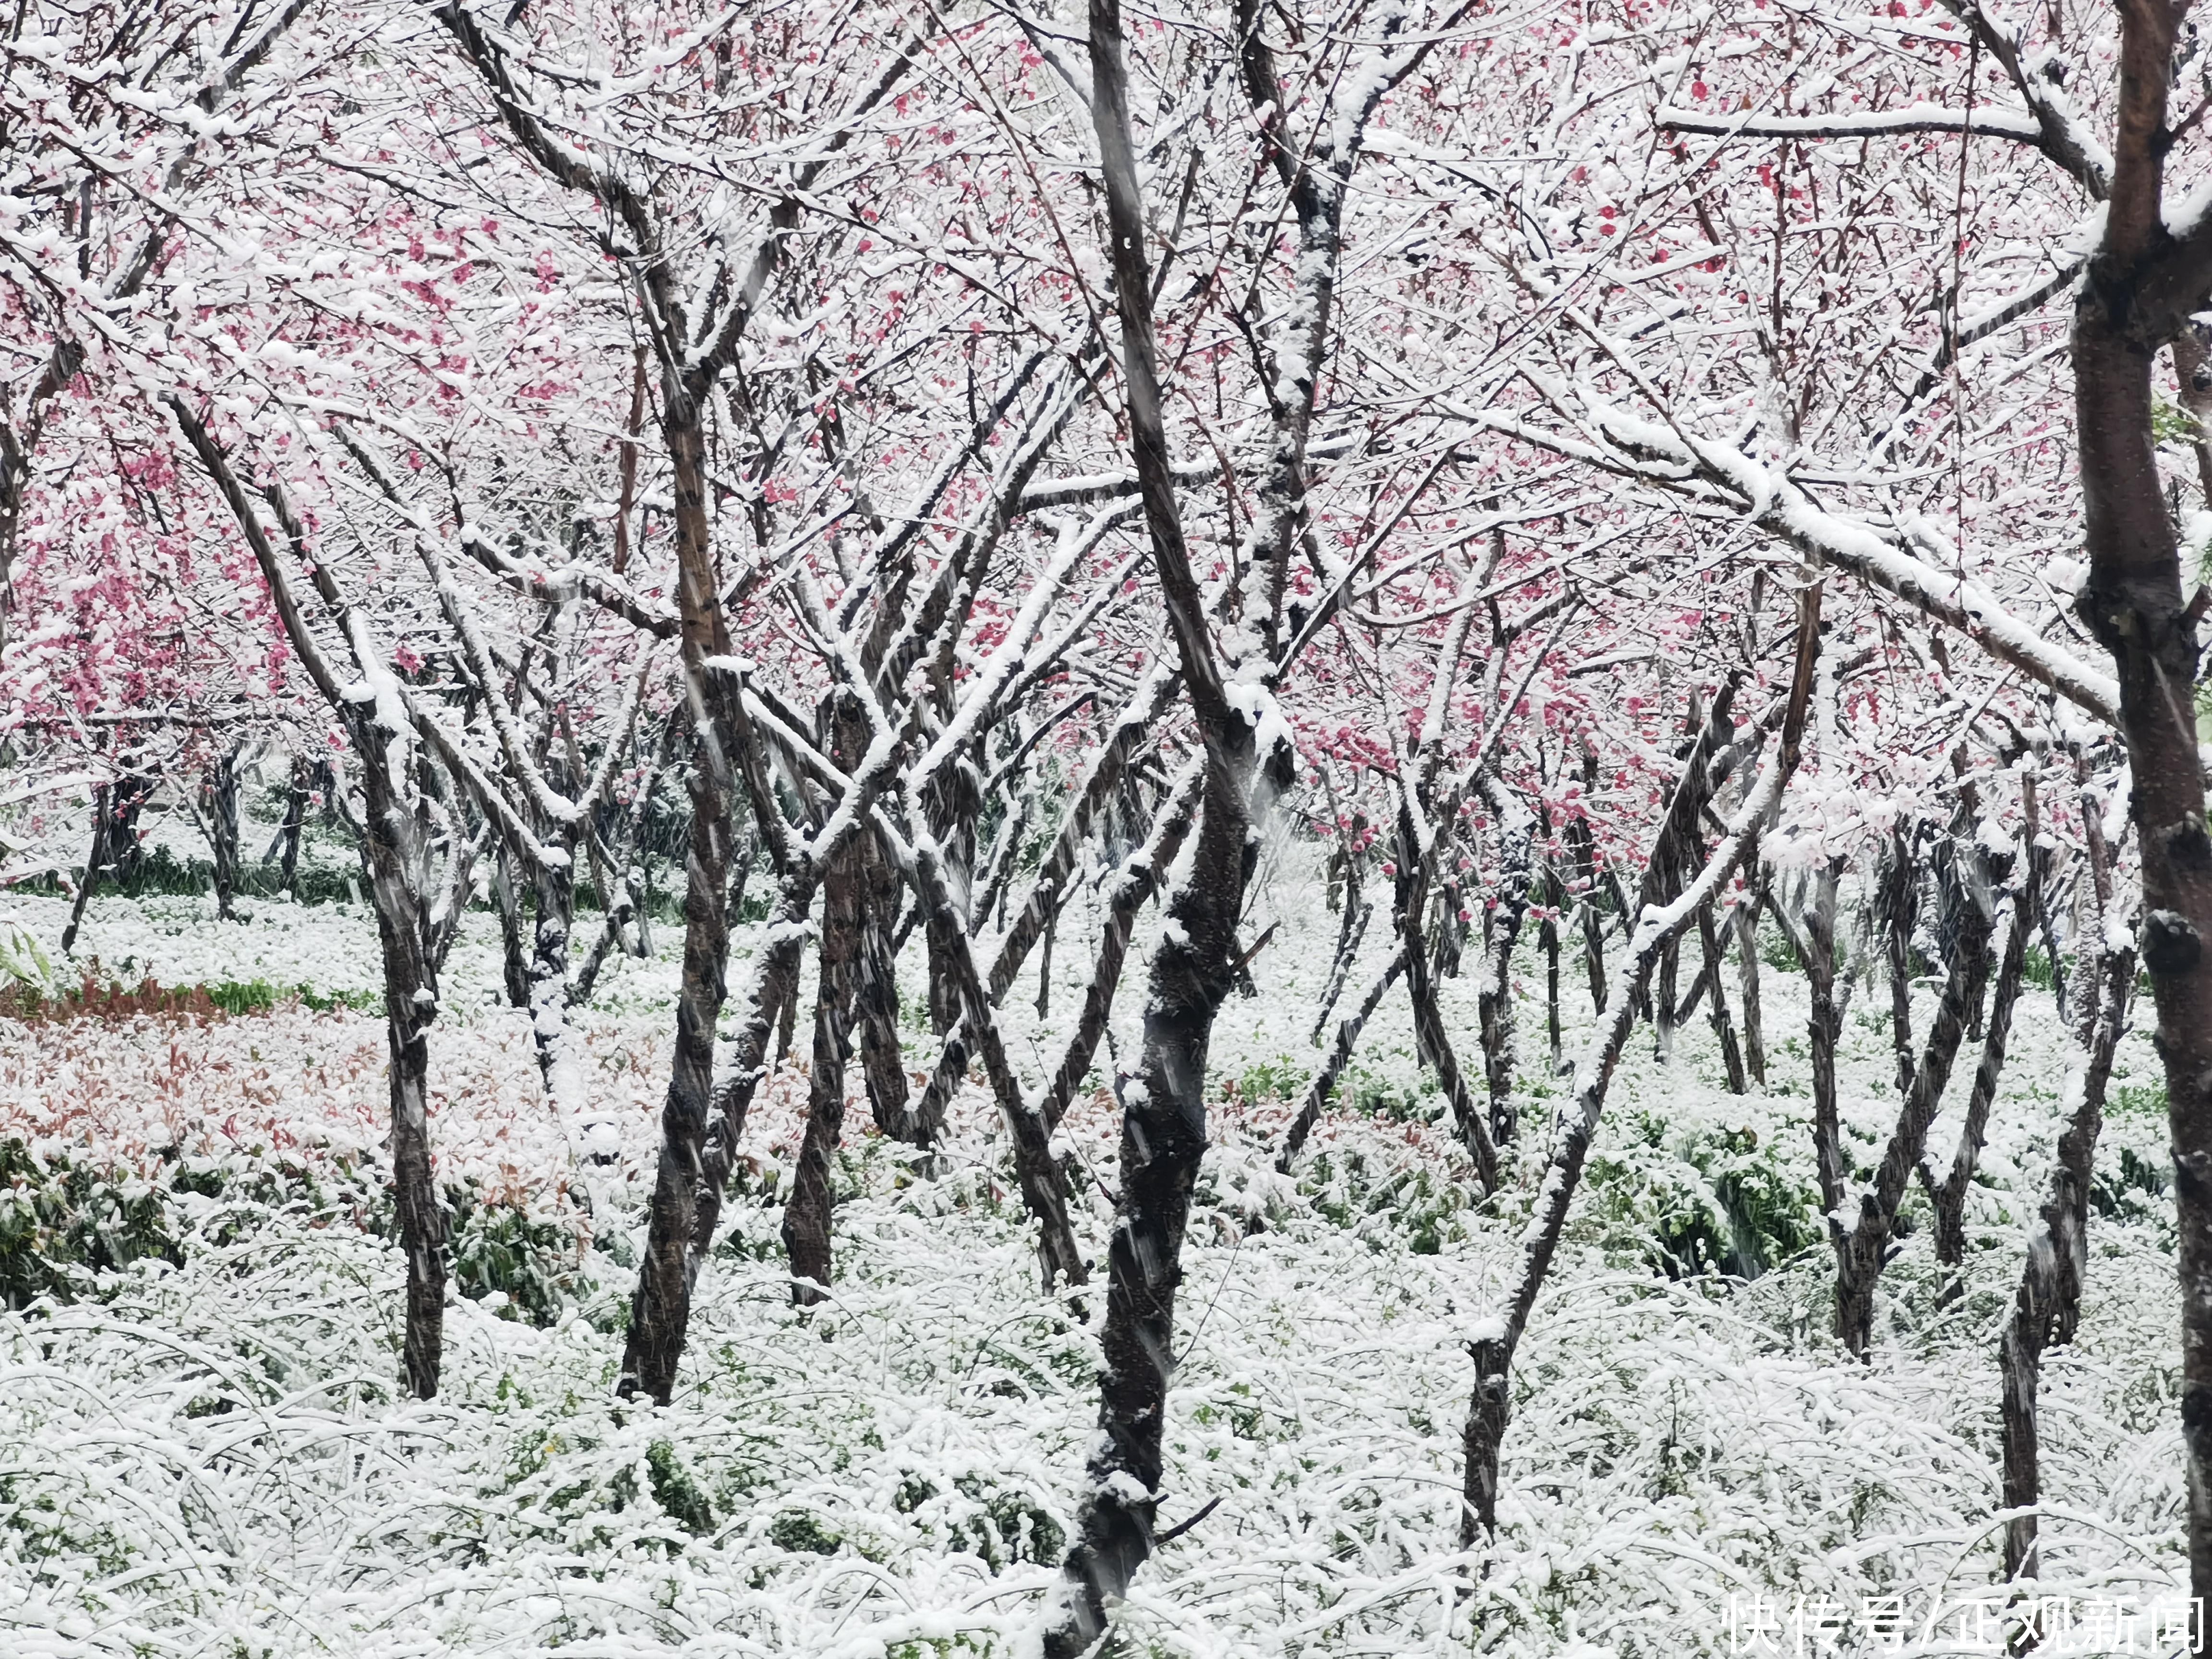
(208, 1456)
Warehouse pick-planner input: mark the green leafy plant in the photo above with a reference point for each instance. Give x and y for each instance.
(1702, 1198)
(62, 1222)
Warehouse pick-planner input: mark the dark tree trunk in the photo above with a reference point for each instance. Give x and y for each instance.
(1586, 871)
(786, 1023)
(1163, 1129)
(126, 848)
(1430, 1038)
(514, 959)
(1948, 1195)
(876, 1002)
(287, 847)
(2141, 287)
(807, 1221)
(410, 1003)
(1351, 926)
(1724, 1027)
(2047, 1304)
(1745, 920)
(1896, 907)
(222, 828)
(1348, 952)
(115, 848)
(1044, 965)
(1451, 948)
(1324, 1080)
(1516, 827)
(1137, 881)
(661, 1311)
(1109, 779)
(554, 886)
(1824, 1030)
(1044, 1189)
(95, 859)
(1863, 1244)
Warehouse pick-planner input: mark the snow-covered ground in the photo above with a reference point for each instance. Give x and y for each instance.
(212, 1458)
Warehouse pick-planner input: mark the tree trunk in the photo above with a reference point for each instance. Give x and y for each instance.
(95, 859)
(1044, 1189)
(1896, 907)
(876, 1001)
(410, 1003)
(661, 1311)
(222, 828)
(592, 1142)
(507, 898)
(1724, 1027)
(296, 821)
(1586, 872)
(1348, 952)
(1948, 1195)
(1824, 1030)
(1549, 937)
(2135, 604)
(1654, 925)
(1138, 880)
(806, 1229)
(2048, 1304)
(1861, 1244)
(1744, 919)
(1517, 830)
(1435, 1043)
(1347, 1039)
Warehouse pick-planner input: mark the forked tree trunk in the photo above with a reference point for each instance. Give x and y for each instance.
(1435, 1044)
(807, 1218)
(114, 850)
(1430, 1039)
(1044, 1189)
(1862, 1241)
(1359, 911)
(1137, 879)
(1654, 923)
(1724, 1029)
(2048, 1302)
